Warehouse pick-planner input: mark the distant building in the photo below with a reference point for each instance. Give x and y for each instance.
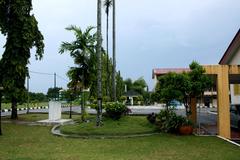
(232, 57)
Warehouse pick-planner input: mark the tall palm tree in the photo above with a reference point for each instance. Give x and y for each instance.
(107, 4)
(82, 50)
(114, 53)
(99, 66)
(78, 77)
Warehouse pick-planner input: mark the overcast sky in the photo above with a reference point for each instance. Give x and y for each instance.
(150, 34)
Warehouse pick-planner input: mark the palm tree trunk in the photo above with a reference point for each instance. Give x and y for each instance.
(114, 55)
(108, 74)
(99, 66)
(82, 107)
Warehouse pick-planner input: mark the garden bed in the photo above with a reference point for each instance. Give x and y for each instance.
(128, 125)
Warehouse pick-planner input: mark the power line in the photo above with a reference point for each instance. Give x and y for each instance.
(62, 78)
(42, 73)
(50, 74)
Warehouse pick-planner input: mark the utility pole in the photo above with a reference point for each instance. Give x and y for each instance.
(55, 80)
(54, 86)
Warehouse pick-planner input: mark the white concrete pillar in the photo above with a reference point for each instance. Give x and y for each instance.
(55, 111)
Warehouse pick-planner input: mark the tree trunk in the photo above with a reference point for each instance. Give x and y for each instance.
(70, 112)
(108, 72)
(99, 66)
(82, 107)
(114, 55)
(0, 113)
(14, 109)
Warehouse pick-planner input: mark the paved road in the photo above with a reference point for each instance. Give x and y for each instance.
(137, 110)
(140, 110)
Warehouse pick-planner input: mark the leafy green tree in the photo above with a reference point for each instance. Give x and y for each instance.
(21, 29)
(106, 65)
(69, 95)
(183, 87)
(199, 82)
(128, 82)
(139, 85)
(169, 88)
(119, 85)
(53, 93)
(83, 52)
(39, 97)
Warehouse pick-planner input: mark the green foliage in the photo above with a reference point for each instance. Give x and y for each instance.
(38, 97)
(21, 29)
(169, 87)
(119, 85)
(107, 4)
(184, 86)
(168, 121)
(139, 86)
(128, 125)
(115, 110)
(199, 81)
(67, 95)
(123, 98)
(83, 52)
(53, 93)
(84, 75)
(106, 99)
(157, 147)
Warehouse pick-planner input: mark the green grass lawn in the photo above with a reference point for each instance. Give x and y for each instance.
(36, 117)
(128, 125)
(21, 142)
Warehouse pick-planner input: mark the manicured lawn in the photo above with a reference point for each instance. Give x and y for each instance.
(37, 117)
(21, 142)
(128, 125)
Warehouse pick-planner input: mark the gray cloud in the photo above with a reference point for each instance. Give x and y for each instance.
(150, 33)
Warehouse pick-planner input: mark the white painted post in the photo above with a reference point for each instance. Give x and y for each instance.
(55, 111)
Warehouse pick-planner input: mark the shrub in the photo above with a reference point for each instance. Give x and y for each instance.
(115, 110)
(152, 118)
(123, 98)
(106, 99)
(168, 121)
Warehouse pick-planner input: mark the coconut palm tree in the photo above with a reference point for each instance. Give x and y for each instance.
(83, 51)
(114, 53)
(99, 66)
(107, 4)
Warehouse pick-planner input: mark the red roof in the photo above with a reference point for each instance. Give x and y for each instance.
(231, 50)
(161, 71)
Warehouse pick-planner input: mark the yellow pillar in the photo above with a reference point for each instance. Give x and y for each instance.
(193, 106)
(223, 102)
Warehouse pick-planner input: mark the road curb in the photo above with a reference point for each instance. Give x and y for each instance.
(56, 131)
(31, 108)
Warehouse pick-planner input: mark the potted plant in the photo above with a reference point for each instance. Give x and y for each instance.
(186, 128)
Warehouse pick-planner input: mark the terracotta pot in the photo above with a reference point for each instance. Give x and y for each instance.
(186, 130)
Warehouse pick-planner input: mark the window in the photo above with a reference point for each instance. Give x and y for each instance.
(236, 89)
